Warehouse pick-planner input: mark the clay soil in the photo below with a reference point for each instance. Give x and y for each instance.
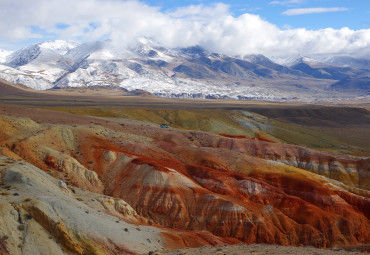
(265, 249)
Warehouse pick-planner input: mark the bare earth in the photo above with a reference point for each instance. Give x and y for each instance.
(260, 249)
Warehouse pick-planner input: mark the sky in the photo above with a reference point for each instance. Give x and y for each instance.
(344, 13)
(236, 27)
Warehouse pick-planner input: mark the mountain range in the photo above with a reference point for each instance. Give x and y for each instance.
(189, 72)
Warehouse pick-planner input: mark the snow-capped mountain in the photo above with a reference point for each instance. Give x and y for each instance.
(28, 79)
(346, 61)
(294, 60)
(184, 72)
(43, 61)
(40, 53)
(336, 61)
(60, 46)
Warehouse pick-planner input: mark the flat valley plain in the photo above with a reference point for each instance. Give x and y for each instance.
(342, 128)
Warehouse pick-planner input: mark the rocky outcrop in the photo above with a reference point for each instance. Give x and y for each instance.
(40, 217)
(350, 171)
(256, 208)
(41, 212)
(121, 208)
(72, 170)
(3, 249)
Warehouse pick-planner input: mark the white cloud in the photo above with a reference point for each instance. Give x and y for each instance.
(212, 27)
(301, 11)
(287, 2)
(200, 11)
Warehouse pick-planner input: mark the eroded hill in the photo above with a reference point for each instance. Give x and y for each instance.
(173, 184)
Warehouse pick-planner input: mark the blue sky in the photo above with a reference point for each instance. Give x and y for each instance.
(356, 16)
(270, 27)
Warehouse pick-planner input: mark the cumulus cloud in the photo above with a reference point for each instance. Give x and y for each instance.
(210, 26)
(301, 11)
(196, 12)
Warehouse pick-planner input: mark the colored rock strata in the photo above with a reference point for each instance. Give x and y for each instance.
(216, 188)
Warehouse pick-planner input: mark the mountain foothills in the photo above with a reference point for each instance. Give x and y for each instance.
(186, 72)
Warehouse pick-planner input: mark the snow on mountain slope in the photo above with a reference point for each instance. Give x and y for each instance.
(256, 58)
(23, 56)
(149, 67)
(43, 60)
(103, 50)
(84, 50)
(294, 60)
(99, 72)
(47, 51)
(321, 60)
(345, 61)
(60, 46)
(102, 63)
(19, 77)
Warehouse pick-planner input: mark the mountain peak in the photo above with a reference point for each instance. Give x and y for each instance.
(49, 49)
(23, 56)
(293, 60)
(60, 46)
(194, 50)
(347, 61)
(255, 58)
